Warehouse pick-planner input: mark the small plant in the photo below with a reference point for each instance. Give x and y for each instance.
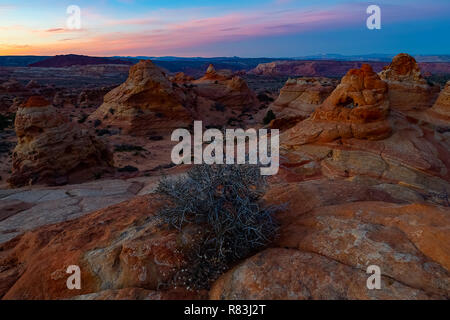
(224, 203)
(156, 138)
(7, 121)
(128, 169)
(263, 97)
(269, 117)
(127, 148)
(219, 107)
(103, 132)
(97, 123)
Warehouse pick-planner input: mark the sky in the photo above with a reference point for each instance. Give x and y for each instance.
(245, 28)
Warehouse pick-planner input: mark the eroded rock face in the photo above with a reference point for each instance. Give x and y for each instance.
(53, 150)
(146, 101)
(324, 254)
(120, 247)
(230, 94)
(299, 98)
(408, 90)
(441, 108)
(357, 108)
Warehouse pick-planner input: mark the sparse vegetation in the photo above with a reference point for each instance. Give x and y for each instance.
(224, 203)
(103, 132)
(156, 138)
(219, 107)
(127, 148)
(7, 121)
(263, 97)
(5, 147)
(128, 169)
(269, 117)
(97, 123)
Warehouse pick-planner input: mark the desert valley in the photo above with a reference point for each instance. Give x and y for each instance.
(364, 176)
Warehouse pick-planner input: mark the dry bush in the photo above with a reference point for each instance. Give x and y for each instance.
(224, 202)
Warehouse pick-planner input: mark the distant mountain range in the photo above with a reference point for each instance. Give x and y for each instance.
(234, 63)
(68, 60)
(326, 64)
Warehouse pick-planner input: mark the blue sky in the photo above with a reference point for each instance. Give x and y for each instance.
(275, 28)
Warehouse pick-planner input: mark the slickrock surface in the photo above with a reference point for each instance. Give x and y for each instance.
(122, 246)
(53, 150)
(408, 90)
(299, 98)
(363, 185)
(231, 91)
(145, 102)
(28, 208)
(357, 108)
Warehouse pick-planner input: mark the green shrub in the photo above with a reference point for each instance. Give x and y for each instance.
(224, 203)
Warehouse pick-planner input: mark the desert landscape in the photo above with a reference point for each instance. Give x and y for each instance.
(224, 159)
(364, 178)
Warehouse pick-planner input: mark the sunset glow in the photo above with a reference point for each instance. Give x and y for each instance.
(202, 28)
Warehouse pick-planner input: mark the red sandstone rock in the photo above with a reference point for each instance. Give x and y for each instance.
(53, 150)
(408, 90)
(147, 101)
(122, 246)
(298, 99)
(324, 254)
(357, 108)
(441, 108)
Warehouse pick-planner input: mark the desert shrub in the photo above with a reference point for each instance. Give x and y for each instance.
(269, 117)
(128, 169)
(5, 147)
(156, 138)
(103, 132)
(219, 107)
(7, 120)
(224, 203)
(127, 148)
(263, 97)
(97, 123)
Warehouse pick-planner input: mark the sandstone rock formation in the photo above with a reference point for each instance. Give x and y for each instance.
(120, 247)
(53, 150)
(298, 99)
(145, 102)
(324, 254)
(181, 78)
(221, 96)
(332, 68)
(357, 108)
(441, 108)
(408, 90)
(223, 88)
